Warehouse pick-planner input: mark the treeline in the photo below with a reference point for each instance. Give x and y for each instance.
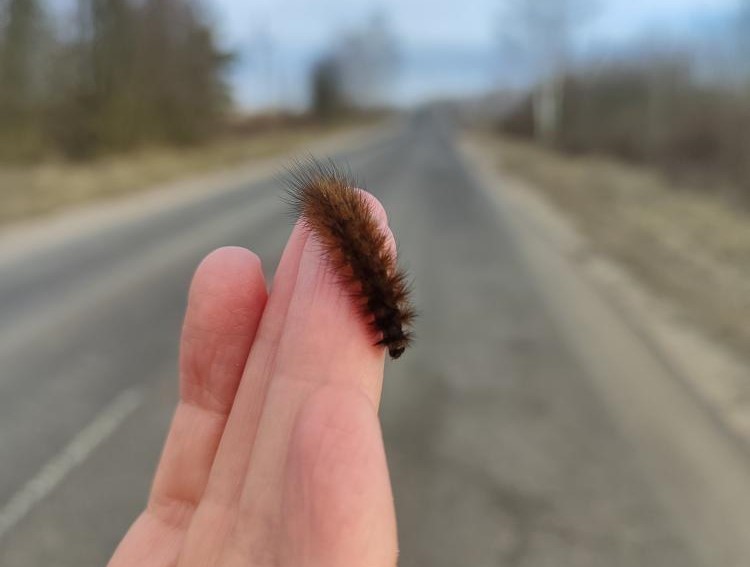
(683, 108)
(355, 73)
(652, 113)
(107, 75)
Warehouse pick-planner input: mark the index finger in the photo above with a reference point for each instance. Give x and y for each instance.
(326, 345)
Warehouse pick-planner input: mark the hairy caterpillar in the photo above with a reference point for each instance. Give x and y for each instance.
(359, 251)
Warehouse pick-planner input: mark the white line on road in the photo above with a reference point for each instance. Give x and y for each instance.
(101, 286)
(75, 453)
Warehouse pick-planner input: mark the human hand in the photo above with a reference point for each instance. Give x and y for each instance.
(275, 455)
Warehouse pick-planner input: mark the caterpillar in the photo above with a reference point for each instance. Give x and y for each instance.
(340, 217)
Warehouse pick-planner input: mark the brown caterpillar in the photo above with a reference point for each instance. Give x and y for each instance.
(359, 251)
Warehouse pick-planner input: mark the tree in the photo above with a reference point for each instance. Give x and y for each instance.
(328, 99)
(743, 35)
(128, 72)
(181, 69)
(367, 58)
(23, 41)
(112, 68)
(139, 71)
(358, 70)
(541, 33)
(743, 21)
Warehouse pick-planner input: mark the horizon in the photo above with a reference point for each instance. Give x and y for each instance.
(447, 49)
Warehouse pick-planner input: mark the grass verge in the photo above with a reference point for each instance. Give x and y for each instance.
(693, 247)
(33, 190)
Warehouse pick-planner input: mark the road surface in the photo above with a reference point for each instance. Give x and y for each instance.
(502, 450)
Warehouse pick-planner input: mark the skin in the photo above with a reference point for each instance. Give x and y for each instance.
(275, 455)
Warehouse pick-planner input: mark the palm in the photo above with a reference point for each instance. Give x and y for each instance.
(274, 456)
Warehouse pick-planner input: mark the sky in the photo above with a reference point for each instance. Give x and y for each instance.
(447, 46)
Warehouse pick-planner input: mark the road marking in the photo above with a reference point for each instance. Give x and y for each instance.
(75, 453)
(98, 289)
(161, 256)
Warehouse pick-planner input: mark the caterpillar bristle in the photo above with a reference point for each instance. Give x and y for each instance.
(339, 215)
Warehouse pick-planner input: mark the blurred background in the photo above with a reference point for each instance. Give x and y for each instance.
(569, 183)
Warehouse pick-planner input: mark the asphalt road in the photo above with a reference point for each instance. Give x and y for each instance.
(502, 452)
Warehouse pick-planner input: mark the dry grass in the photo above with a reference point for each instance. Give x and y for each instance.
(27, 191)
(691, 246)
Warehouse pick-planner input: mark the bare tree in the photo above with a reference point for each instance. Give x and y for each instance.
(137, 71)
(24, 41)
(126, 72)
(22, 30)
(743, 35)
(541, 33)
(743, 146)
(358, 70)
(327, 95)
(366, 59)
